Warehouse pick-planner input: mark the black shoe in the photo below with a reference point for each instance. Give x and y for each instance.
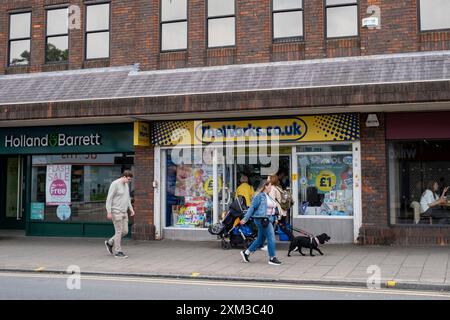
(121, 255)
(245, 256)
(274, 261)
(109, 247)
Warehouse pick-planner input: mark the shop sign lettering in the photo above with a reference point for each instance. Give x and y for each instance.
(52, 140)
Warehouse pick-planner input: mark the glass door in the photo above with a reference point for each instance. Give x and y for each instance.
(12, 213)
(226, 188)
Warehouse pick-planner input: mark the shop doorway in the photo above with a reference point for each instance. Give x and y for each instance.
(12, 192)
(231, 175)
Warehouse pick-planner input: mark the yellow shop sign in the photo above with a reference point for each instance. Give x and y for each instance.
(141, 134)
(341, 127)
(292, 129)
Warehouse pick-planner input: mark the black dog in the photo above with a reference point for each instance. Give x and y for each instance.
(306, 242)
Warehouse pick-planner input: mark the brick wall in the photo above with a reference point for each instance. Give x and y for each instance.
(374, 176)
(3, 38)
(399, 28)
(196, 33)
(253, 36)
(135, 35)
(143, 226)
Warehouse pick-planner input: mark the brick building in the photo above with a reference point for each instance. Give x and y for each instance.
(362, 112)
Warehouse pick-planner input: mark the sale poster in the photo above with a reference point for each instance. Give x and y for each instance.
(57, 185)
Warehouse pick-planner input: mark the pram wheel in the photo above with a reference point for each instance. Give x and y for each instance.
(216, 229)
(225, 244)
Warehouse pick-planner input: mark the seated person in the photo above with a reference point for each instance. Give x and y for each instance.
(430, 201)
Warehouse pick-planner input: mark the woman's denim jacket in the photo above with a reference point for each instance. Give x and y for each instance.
(258, 208)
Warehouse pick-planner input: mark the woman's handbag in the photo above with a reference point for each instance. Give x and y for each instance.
(265, 222)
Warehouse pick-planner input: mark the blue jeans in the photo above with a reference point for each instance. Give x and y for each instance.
(263, 234)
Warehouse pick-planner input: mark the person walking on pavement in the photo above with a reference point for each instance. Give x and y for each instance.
(262, 209)
(118, 203)
(275, 193)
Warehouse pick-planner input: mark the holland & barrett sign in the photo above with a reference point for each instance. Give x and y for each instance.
(83, 139)
(52, 140)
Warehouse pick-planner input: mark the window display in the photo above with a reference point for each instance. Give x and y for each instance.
(326, 185)
(73, 188)
(189, 195)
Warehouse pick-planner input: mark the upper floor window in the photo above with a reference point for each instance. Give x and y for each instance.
(173, 25)
(97, 31)
(287, 17)
(19, 38)
(342, 18)
(221, 23)
(57, 39)
(434, 14)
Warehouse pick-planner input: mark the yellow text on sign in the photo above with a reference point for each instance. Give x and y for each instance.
(325, 180)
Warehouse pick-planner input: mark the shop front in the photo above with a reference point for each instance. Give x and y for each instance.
(57, 178)
(200, 164)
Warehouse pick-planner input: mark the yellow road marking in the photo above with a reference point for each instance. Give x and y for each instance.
(391, 283)
(234, 284)
(39, 269)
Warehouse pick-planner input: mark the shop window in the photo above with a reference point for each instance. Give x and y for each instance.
(287, 17)
(419, 171)
(173, 25)
(73, 188)
(57, 40)
(19, 38)
(325, 184)
(97, 31)
(221, 23)
(189, 194)
(434, 15)
(341, 18)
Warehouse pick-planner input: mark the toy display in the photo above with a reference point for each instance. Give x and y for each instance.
(195, 213)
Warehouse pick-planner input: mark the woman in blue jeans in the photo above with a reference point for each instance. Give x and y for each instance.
(262, 209)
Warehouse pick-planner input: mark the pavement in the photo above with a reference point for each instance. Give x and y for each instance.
(419, 268)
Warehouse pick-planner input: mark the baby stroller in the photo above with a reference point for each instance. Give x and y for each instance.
(229, 229)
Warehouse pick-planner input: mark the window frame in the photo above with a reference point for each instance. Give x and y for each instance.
(161, 23)
(287, 39)
(217, 18)
(419, 21)
(56, 35)
(348, 4)
(390, 212)
(86, 32)
(9, 65)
